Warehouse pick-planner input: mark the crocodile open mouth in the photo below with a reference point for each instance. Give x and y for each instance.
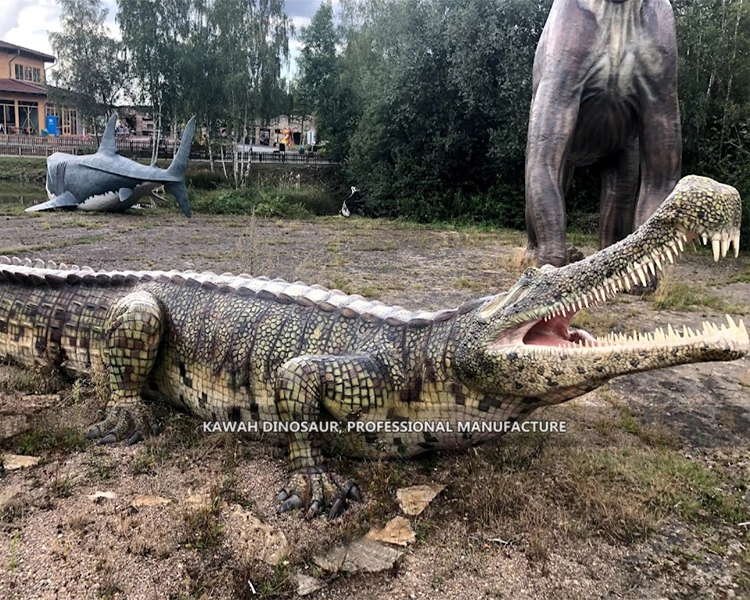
(553, 330)
(557, 332)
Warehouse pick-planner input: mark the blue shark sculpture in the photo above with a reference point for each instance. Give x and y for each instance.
(108, 182)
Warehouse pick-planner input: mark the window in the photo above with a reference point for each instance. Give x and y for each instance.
(37, 75)
(19, 71)
(7, 116)
(27, 73)
(28, 115)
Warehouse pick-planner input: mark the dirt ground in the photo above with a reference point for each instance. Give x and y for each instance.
(645, 496)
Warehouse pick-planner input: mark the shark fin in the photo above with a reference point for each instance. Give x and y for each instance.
(125, 194)
(179, 191)
(181, 159)
(108, 145)
(66, 200)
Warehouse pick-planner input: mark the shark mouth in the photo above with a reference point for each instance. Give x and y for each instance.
(551, 329)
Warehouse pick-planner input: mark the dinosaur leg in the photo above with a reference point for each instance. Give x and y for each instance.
(619, 189)
(659, 131)
(304, 386)
(552, 123)
(134, 330)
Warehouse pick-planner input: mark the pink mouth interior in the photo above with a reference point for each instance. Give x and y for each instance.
(556, 332)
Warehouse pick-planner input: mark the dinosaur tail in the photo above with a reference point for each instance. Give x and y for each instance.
(179, 167)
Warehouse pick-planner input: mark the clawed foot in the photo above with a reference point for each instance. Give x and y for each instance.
(317, 490)
(121, 424)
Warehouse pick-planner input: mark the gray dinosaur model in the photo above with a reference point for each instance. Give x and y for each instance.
(604, 91)
(108, 182)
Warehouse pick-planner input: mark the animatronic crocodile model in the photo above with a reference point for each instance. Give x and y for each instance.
(234, 349)
(108, 182)
(604, 91)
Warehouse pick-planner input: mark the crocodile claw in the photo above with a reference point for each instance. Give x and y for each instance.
(337, 508)
(315, 509)
(120, 424)
(290, 504)
(110, 438)
(322, 491)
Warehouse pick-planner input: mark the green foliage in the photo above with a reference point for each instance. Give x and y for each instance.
(427, 101)
(220, 60)
(90, 67)
(264, 201)
(446, 92)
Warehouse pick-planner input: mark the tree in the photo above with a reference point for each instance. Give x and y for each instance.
(318, 68)
(91, 69)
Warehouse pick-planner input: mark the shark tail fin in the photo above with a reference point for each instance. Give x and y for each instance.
(179, 191)
(180, 162)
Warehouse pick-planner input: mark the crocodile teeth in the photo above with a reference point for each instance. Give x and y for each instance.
(716, 245)
(680, 244)
(724, 246)
(641, 276)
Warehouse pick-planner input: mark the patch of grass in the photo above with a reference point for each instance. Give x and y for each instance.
(675, 295)
(203, 528)
(34, 380)
(46, 437)
(469, 284)
(618, 491)
(341, 283)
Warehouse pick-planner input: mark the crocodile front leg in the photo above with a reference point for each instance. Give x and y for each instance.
(304, 386)
(134, 329)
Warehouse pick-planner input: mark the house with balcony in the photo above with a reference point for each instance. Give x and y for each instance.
(24, 102)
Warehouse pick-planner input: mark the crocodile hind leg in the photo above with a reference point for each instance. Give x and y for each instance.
(134, 329)
(305, 385)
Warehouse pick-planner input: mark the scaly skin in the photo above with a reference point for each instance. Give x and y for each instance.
(234, 348)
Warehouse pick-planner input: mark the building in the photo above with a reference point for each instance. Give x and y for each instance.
(292, 131)
(23, 94)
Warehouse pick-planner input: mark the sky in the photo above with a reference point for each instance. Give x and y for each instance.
(27, 22)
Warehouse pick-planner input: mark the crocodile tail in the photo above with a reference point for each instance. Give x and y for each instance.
(182, 158)
(179, 191)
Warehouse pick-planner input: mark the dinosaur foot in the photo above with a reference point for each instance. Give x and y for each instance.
(121, 424)
(317, 490)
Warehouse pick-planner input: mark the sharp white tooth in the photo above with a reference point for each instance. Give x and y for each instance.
(743, 331)
(651, 268)
(717, 248)
(680, 244)
(596, 293)
(724, 247)
(634, 277)
(673, 245)
(671, 332)
(692, 333)
(586, 301)
(641, 276)
(736, 244)
(668, 252)
(685, 332)
(658, 263)
(704, 238)
(626, 281)
(732, 324)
